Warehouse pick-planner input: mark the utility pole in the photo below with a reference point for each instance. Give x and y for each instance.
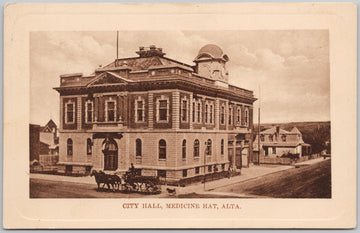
(205, 163)
(259, 126)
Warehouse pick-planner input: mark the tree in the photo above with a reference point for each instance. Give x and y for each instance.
(318, 138)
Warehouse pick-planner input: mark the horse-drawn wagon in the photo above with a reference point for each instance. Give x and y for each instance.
(129, 182)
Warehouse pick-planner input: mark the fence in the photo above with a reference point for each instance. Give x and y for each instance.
(284, 161)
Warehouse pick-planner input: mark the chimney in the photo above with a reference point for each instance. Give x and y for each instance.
(150, 51)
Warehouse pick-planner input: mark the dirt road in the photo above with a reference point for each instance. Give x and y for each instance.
(312, 181)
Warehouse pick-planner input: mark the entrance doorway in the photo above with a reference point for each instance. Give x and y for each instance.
(110, 151)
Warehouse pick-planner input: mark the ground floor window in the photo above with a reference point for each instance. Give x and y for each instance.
(69, 147)
(185, 173)
(197, 170)
(161, 173)
(274, 150)
(68, 169)
(162, 149)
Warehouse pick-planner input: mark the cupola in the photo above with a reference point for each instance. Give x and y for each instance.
(210, 63)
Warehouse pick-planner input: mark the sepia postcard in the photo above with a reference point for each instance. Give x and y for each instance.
(180, 115)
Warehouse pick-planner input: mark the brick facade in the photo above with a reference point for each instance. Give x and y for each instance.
(147, 104)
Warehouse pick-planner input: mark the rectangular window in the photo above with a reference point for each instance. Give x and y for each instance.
(161, 173)
(222, 116)
(140, 111)
(110, 110)
(70, 113)
(184, 111)
(193, 112)
(185, 173)
(206, 113)
(209, 168)
(198, 112)
(274, 150)
(162, 110)
(89, 112)
(211, 114)
(230, 115)
(223, 166)
(197, 170)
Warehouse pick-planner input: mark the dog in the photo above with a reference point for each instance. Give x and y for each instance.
(171, 192)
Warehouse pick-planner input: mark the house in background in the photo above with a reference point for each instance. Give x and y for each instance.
(168, 118)
(275, 142)
(44, 143)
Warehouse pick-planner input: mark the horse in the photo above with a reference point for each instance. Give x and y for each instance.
(106, 179)
(114, 181)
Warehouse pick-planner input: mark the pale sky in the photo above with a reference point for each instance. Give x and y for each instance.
(290, 67)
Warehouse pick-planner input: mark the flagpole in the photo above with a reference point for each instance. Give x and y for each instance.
(117, 47)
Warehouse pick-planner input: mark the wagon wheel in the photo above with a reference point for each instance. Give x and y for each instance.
(125, 188)
(137, 187)
(150, 187)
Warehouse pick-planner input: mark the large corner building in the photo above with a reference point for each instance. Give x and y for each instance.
(167, 118)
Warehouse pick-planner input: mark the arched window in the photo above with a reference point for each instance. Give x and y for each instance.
(138, 147)
(222, 146)
(88, 146)
(196, 148)
(184, 149)
(69, 147)
(162, 149)
(208, 147)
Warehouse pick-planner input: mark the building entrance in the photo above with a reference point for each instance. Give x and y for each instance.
(110, 151)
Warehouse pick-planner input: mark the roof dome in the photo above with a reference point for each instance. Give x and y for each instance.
(212, 51)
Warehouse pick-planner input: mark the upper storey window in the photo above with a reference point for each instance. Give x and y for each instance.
(89, 111)
(162, 109)
(110, 113)
(246, 120)
(230, 116)
(222, 115)
(198, 112)
(271, 138)
(211, 114)
(70, 112)
(206, 113)
(238, 116)
(139, 110)
(184, 110)
(193, 112)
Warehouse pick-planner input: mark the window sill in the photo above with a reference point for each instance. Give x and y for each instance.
(162, 121)
(162, 159)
